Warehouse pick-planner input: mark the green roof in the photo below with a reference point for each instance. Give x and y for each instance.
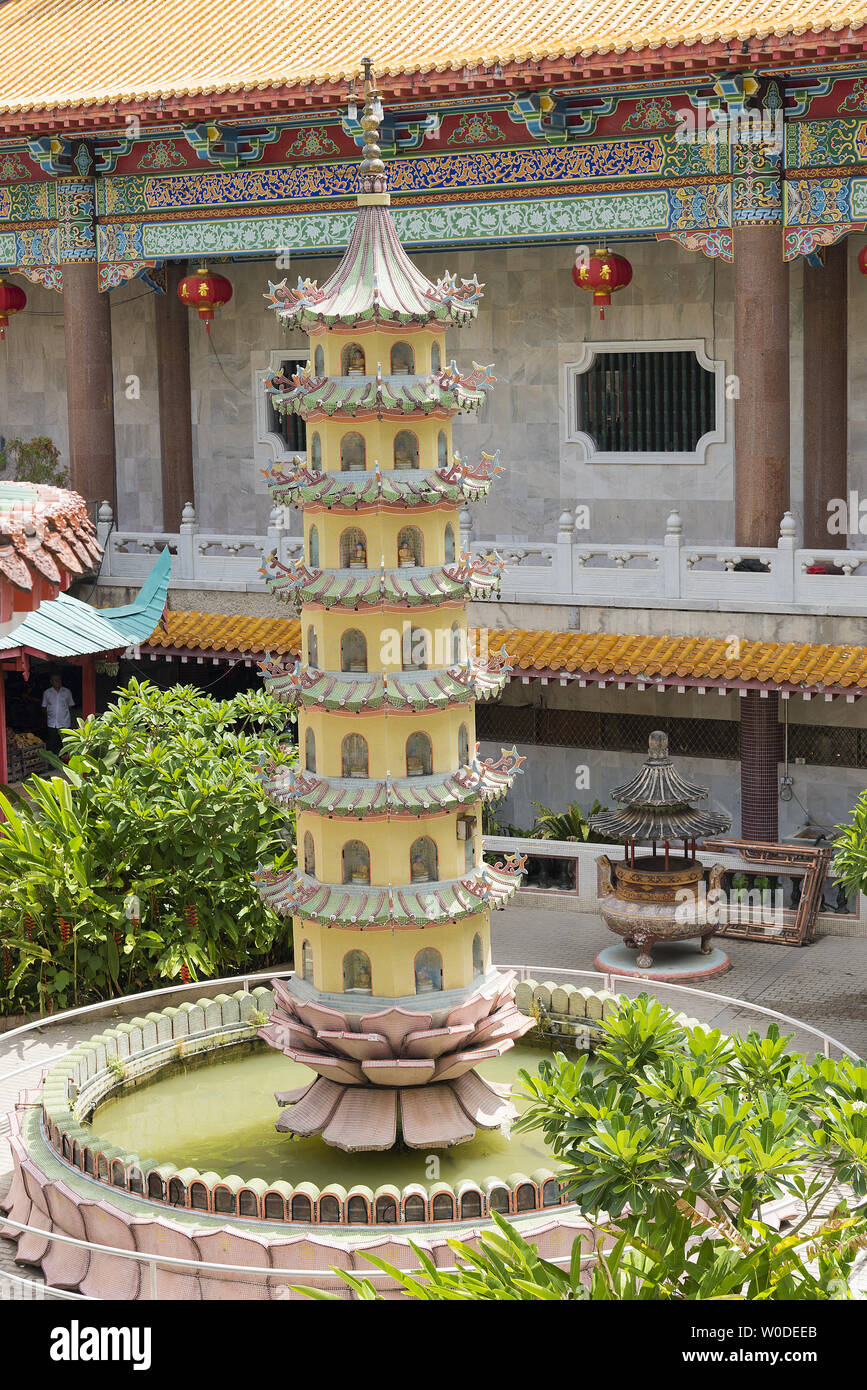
(394, 796)
(401, 690)
(293, 893)
(406, 394)
(64, 626)
(414, 585)
(404, 487)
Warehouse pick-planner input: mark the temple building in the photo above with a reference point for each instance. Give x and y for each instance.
(684, 499)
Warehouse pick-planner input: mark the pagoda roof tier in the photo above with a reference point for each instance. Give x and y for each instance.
(408, 487)
(657, 803)
(45, 534)
(414, 587)
(399, 691)
(375, 397)
(376, 285)
(293, 893)
(481, 780)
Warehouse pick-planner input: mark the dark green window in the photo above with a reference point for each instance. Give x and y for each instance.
(646, 402)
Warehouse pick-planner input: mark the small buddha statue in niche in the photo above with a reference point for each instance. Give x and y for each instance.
(356, 361)
(405, 555)
(359, 557)
(418, 869)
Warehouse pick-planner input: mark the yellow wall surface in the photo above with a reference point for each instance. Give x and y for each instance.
(377, 345)
(389, 843)
(381, 534)
(392, 954)
(386, 734)
(381, 442)
(436, 636)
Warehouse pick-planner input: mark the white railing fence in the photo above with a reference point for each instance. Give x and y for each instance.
(721, 576)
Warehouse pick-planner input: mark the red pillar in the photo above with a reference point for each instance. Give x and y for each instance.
(88, 686)
(825, 394)
(759, 753)
(89, 383)
(761, 355)
(173, 374)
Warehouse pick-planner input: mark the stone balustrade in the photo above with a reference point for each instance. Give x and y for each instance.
(672, 574)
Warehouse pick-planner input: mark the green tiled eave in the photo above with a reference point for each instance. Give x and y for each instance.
(409, 690)
(346, 396)
(356, 796)
(409, 488)
(293, 893)
(367, 588)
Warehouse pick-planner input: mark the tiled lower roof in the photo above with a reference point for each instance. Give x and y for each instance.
(592, 656)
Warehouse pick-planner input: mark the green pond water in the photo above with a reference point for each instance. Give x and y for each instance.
(220, 1118)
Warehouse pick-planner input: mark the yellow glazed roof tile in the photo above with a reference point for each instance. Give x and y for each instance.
(56, 53)
(574, 653)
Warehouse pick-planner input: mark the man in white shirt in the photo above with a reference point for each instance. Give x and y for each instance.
(57, 703)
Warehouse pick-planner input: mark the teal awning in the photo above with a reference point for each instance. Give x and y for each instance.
(64, 626)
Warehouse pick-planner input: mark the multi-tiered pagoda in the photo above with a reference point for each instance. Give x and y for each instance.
(394, 1001)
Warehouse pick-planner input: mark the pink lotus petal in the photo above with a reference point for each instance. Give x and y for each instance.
(433, 1042)
(357, 1045)
(399, 1071)
(312, 1113)
(394, 1024)
(432, 1118)
(483, 1105)
(448, 1068)
(364, 1119)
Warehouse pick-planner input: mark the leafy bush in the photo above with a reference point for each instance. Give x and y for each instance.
(568, 824)
(672, 1141)
(135, 867)
(850, 850)
(35, 460)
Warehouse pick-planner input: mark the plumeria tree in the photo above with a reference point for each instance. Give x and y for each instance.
(135, 866)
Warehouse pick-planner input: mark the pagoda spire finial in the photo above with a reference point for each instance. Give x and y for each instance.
(373, 182)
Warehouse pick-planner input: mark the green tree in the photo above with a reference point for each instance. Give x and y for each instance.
(850, 850)
(34, 460)
(671, 1140)
(135, 866)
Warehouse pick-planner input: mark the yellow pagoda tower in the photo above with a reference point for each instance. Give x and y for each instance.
(395, 1000)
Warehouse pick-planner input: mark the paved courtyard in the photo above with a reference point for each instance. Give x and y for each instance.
(822, 985)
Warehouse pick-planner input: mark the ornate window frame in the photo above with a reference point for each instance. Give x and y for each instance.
(265, 437)
(586, 444)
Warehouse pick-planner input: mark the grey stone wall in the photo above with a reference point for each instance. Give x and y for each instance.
(532, 321)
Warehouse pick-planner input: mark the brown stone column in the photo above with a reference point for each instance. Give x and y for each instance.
(761, 359)
(825, 394)
(89, 383)
(759, 754)
(173, 375)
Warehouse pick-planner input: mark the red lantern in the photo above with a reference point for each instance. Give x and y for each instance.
(12, 301)
(603, 273)
(205, 291)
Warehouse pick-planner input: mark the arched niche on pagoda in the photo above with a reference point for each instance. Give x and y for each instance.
(312, 647)
(428, 970)
(435, 357)
(319, 360)
(353, 548)
(478, 955)
(402, 359)
(410, 547)
(353, 650)
(355, 862)
(315, 452)
(352, 360)
(307, 962)
(354, 757)
(449, 544)
(419, 755)
(442, 450)
(463, 745)
(406, 454)
(309, 854)
(457, 651)
(423, 860)
(353, 453)
(310, 751)
(313, 548)
(357, 977)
